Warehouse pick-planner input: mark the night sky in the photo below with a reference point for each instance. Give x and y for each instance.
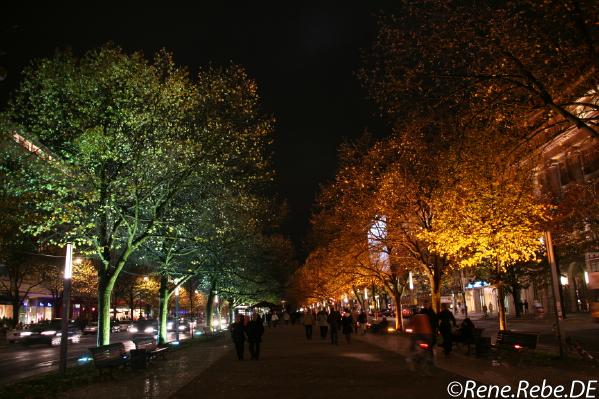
(303, 59)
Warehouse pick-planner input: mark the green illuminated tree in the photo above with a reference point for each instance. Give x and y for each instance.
(127, 138)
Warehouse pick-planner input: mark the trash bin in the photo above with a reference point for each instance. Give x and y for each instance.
(139, 359)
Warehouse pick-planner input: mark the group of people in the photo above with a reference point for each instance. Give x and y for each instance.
(273, 318)
(332, 322)
(252, 330)
(427, 324)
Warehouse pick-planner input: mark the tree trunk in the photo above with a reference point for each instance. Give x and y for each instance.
(231, 309)
(501, 307)
(374, 301)
(163, 310)
(191, 295)
(435, 282)
(360, 298)
(104, 295)
(517, 298)
(131, 305)
(16, 307)
(114, 301)
(397, 293)
(210, 307)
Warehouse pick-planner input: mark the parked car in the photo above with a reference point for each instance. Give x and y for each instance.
(14, 336)
(409, 311)
(122, 325)
(90, 328)
(50, 334)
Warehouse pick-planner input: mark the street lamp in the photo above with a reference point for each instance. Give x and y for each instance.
(66, 303)
(177, 314)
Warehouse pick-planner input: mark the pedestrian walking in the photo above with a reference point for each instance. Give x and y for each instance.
(347, 325)
(254, 332)
(354, 315)
(362, 321)
(286, 317)
(490, 308)
(274, 319)
(269, 319)
(334, 321)
(485, 314)
(526, 306)
(446, 321)
(309, 321)
(237, 330)
(432, 319)
(323, 324)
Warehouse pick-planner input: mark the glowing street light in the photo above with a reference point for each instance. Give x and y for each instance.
(66, 303)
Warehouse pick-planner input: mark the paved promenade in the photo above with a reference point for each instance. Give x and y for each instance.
(292, 367)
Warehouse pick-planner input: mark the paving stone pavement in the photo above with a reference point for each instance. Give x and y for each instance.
(293, 367)
(161, 379)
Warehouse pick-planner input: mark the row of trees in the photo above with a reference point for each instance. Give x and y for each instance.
(469, 92)
(139, 164)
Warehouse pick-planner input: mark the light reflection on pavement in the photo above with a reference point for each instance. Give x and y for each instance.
(18, 361)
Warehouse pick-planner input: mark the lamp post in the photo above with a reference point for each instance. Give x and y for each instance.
(559, 315)
(216, 325)
(177, 314)
(413, 299)
(66, 304)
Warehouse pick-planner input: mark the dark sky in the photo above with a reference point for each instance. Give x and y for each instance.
(303, 59)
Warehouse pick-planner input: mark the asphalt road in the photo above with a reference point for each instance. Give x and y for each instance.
(19, 361)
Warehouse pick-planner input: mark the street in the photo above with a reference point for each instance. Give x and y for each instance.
(18, 361)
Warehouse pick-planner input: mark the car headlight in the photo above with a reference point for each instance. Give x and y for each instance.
(169, 325)
(181, 328)
(25, 333)
(49, 332)
(133, 329)
(149, 330)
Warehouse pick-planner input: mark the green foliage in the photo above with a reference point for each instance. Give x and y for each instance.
(140, 151)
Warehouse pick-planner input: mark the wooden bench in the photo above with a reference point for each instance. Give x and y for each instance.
(472, 340)
(150, 346)
(107, 357)
(517, 341)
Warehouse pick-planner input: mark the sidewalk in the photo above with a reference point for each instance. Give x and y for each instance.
(482, 369)
(161, 379)
(291, 367)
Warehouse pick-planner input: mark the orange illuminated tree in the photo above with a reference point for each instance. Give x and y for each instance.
(491, 216)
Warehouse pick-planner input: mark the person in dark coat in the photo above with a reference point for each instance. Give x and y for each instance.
(347, 325)
(446, 320)
(254, 331)
(433, 320)
(237, 330)
(334, 320)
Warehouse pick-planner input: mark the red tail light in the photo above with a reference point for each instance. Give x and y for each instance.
(517, 346)
(423, 346)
